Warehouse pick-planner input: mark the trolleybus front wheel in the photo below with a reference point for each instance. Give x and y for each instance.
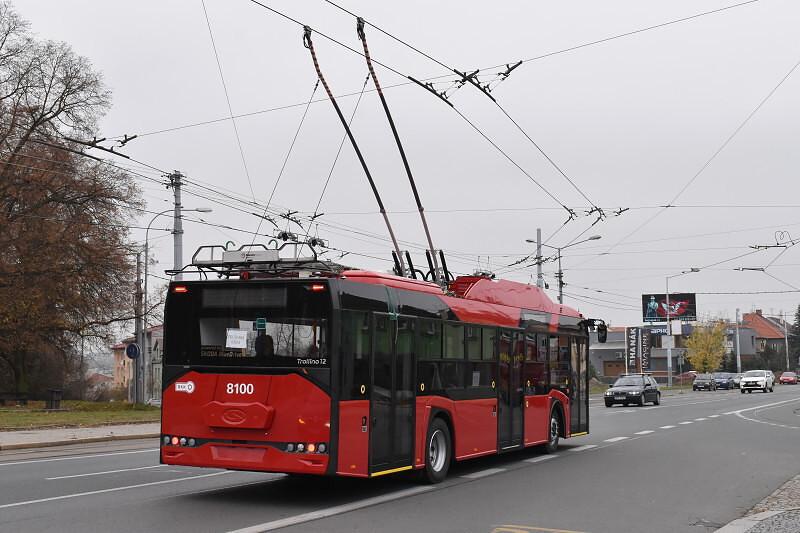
(437, 453)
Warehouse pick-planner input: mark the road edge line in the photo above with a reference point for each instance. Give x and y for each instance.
(85, 440)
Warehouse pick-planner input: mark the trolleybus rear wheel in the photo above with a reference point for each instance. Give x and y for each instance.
(437, 452)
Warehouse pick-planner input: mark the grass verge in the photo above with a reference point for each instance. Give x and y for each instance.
(75, 414)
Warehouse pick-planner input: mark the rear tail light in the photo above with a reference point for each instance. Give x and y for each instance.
(180, 289)
(311, 447)
(317, 287)
(178, 441)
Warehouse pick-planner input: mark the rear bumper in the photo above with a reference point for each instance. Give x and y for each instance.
(245, 457)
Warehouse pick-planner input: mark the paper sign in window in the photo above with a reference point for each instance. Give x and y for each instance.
(235, 338)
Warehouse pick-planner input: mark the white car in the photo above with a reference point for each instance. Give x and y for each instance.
(763, 380)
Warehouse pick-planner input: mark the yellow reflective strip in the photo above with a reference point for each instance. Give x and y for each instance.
(578, 434)
(392, 471)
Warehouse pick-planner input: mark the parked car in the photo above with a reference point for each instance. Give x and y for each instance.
(633, 388)
(704, 382)
(737, 379)
(788, 378)
(723, 380)
(763, 380)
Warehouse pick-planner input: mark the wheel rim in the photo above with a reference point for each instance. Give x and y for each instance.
(437, 451)
(553, 431)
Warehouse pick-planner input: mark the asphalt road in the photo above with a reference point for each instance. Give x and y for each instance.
(692, 464)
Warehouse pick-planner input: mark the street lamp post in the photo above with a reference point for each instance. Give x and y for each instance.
(145, 341)
(669, 325)
(560, 274)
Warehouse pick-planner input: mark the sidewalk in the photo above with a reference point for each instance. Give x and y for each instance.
(36, 438)
(777, 513)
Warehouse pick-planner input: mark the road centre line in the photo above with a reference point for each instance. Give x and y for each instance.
(74, 457)
(332, 511)
(106, 472)
(713, 416)
(615, 439)
(582, 448)
(700, 419)
(114, 489)
(645, 432)
(541, 458)
(484, 473)
(686, 422)
(510, 528)
(667, 427)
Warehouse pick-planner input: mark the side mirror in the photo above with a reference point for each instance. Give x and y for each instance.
(610, 385)
(647, 385)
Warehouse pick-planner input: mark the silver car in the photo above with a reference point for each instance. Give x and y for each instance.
(763, 380)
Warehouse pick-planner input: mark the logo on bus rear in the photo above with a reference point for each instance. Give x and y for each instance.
(184, 386)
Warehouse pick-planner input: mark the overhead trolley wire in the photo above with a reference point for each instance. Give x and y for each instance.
(228, 100)
(288, 154)
(710, 159)
(395, 71)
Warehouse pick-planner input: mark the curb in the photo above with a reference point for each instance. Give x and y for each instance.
(86, 440)
(742, 525)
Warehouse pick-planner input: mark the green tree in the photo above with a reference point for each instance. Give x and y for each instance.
(706, 346)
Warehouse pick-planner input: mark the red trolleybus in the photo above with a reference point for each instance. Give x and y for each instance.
(299, 367)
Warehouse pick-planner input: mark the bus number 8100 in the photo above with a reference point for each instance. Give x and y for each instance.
(240, 388)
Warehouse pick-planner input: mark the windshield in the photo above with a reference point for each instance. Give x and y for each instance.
(703, 376)
(754, 374)
(257, 324)
(788, 374)
(629, 381)
(719, 375)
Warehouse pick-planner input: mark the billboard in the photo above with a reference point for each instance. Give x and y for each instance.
(682, 306)
(632, 336)
(646, 343)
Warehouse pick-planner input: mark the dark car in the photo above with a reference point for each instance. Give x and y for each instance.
(704, 382)
(633, 388)
(723, 380)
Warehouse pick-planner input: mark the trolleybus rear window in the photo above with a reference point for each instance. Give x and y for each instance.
(248, 325)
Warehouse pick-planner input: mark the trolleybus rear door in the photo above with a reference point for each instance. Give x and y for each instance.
(510, 393)
(392, 394)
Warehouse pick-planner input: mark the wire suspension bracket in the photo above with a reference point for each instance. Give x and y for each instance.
(309, 44)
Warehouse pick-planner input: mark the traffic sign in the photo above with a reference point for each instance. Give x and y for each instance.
(132, 350)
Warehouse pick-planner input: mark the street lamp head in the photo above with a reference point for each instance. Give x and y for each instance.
(531, 241)
(595, 237)
(203, 209)
(694, 269)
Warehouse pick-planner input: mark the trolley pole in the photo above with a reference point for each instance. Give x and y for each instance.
(177, 227)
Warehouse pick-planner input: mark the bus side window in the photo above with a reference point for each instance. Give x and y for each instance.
(535, 373)
(355, 355)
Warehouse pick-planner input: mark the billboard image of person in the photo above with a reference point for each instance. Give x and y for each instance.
(682, 306)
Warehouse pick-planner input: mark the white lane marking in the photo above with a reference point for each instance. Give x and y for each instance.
(667, 427)
(74, 457)
(700, 419)
(645, 432)
(615, 439)
(484, 473)
(115, 489)
(648, 408)
(106, 472)
(713, 416)
(761, 406)
(686, 422)
(541, 458)
(331, 511)
(582, 448)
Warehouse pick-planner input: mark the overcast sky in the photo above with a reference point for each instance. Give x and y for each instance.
(630, 121)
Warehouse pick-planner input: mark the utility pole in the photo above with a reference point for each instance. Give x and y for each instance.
(786, 340)
(177, 227)
(560, 277)
(539, 277)
(738, 347)
(137, 363)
